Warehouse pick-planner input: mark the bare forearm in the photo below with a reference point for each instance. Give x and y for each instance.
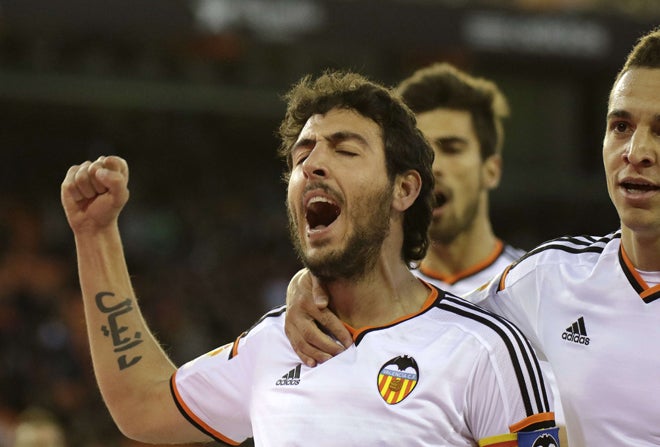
(128, 362)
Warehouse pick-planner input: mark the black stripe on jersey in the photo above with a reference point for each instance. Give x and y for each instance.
(501, 326)
(639, 288)
(652, 297)
(273, 313)
(573, 244)
(631, 278)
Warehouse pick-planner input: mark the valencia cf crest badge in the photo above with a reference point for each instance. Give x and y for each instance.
(397, 378)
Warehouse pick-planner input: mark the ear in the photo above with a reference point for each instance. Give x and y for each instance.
(491, 171)
(406, 190)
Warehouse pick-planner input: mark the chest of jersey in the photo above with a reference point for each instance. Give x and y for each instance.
(381, 392)
(602, 340)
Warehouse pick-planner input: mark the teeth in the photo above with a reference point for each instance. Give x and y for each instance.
(319, 199)
(639, 187)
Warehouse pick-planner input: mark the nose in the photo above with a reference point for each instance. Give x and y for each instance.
(315, 165)
(643, 148)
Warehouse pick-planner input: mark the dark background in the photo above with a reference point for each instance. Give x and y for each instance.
(189, 93)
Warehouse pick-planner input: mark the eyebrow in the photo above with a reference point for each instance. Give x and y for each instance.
(444, 141)
(334, 139)
(627, 115)
(617, 113)
(338, 137)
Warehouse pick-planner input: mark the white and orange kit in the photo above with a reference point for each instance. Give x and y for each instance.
(583, 305)
(452, 374)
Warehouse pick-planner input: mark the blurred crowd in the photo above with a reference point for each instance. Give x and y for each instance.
(198, 289)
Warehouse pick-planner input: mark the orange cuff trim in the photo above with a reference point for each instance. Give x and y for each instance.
(534, 419)
(188, 413)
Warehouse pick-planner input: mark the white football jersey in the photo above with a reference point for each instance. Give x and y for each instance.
(584, 306)
(474, 276)
(452, 374)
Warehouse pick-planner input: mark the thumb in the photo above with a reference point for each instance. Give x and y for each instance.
(319, 294)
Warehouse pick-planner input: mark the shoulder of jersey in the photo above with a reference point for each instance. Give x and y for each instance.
(570, 246)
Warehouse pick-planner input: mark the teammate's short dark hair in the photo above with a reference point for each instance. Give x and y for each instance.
(645, 53)
(442, 85)
(405, 146)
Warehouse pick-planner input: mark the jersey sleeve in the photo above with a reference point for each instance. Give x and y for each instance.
(213, 391)
(514, 295)
(503, 412)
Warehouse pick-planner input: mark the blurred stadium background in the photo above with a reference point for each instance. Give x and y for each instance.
(189, 93)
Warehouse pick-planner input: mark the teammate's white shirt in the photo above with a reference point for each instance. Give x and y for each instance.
(581, 302)
(446, 376)
(474, 276)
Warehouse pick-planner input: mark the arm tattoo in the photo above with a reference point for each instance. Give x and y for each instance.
(121, 341)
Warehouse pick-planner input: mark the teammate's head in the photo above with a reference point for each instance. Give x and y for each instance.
(442, 85)
(631, 150)
(461, 116)
(405, 147)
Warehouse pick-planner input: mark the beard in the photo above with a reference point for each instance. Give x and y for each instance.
(362, 247)
(445, 230)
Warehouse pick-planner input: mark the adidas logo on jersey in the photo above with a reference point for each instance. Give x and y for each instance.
(576, 333)
(290, 378)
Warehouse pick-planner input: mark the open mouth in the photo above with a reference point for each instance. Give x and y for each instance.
(440, 199)
(321, 212)
(639, 187)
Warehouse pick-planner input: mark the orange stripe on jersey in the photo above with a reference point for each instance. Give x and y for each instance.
(452, 279)
(500, 286)
(646, 293)
(193, 417)
(433, 295)
(234, 349)
(533, 419)
(506, 440)
(632, 270)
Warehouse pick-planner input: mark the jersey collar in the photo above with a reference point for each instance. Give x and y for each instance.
(646, 293)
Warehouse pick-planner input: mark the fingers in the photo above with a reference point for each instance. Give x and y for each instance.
(309, 321)
(299, 287)
(86, 180)
(327, 319)
(91, 179)
(318, 293)
(311, 344)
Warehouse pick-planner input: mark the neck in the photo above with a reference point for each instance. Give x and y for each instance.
(385, 294)
(643, 249)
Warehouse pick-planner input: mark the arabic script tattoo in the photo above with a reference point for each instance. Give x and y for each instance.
(121, 340)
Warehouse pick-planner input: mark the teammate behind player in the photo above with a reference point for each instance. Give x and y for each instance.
(426, 368)
(590, 303)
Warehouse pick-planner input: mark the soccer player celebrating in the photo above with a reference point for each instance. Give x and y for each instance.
(589, 303)
(426, 368)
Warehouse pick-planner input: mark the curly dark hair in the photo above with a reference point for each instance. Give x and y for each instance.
(405, 146)
(442, 85)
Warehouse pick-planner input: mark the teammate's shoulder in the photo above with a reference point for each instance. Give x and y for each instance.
(475, 318)
(569, 248)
